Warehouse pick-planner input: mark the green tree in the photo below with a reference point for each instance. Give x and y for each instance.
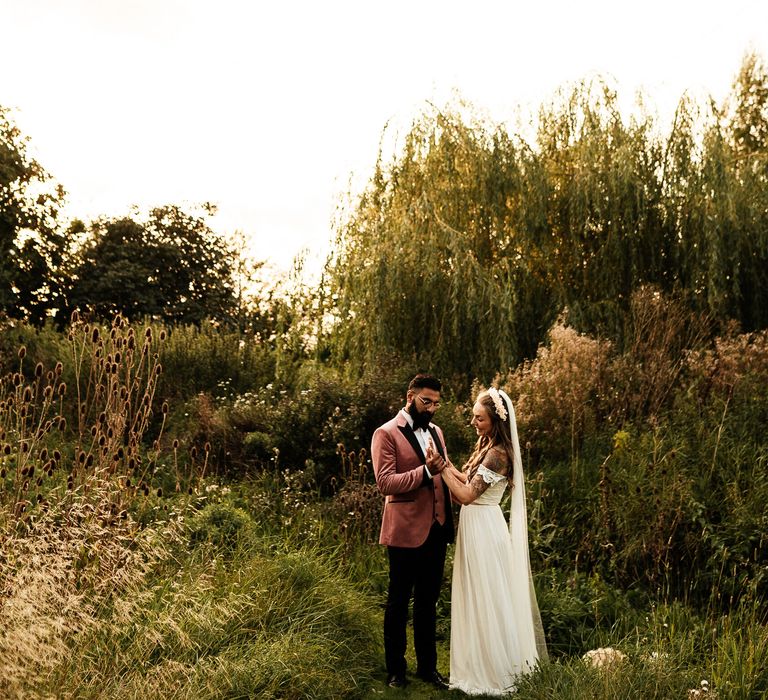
(171, 267)
(31, 244)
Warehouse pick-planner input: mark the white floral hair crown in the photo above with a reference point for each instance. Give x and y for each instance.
(498, 403)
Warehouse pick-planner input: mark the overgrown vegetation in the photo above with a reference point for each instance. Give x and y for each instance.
(188, 510)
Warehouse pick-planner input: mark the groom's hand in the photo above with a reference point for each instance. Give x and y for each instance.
(435, 463)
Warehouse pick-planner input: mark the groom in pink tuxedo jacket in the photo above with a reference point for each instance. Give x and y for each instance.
(417, 526)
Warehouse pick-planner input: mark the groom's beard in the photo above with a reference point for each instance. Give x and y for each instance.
(420, 420)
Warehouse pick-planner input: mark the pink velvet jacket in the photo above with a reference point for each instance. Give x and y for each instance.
(411, 498)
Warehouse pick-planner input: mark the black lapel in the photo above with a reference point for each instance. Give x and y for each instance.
(411, 437)
(437, 442)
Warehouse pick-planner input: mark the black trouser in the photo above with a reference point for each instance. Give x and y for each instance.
(417, 571)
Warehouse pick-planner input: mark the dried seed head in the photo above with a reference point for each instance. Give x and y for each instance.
(56, 455)
(148, 334)
(44, 454)
(89, 461)
(27, 396)
(163, 335)
(159, 492)
(207, 447)
(6, 449)
(31, 471)
(128, 483)
(159, 369)
(131, 343)
(95, 336)
(81, 457)
(58, 369)
(175, 444)
(16, 379)
(75, 317)
(2, 473)
(39, 482)
(193, 452)
(118, 357)
(110, 433)
(39, 370)
(24, 446)
(165, 407)
(22, 352)
(49, 376)
(63, 424)
(102, 417)
(48, 392)
(102, 440)
(94, 431)
(23, 412)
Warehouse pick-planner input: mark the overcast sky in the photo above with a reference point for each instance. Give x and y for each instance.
(270, 109)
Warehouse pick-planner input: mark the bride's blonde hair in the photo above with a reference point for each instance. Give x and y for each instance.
(499, 435)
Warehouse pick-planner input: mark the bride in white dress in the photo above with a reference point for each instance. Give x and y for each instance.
(496, 630)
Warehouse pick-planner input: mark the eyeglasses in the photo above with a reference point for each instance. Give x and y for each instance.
(428, 403)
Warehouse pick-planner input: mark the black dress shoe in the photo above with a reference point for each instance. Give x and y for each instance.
(435, 679)
(396, 680)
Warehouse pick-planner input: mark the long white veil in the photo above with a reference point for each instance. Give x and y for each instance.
(525, 595)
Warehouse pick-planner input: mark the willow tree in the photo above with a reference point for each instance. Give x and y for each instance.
(432, 264)
(607, 233)
(716, 193)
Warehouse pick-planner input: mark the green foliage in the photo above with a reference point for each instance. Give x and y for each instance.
(171, 267)
(31, 247)
(478, 240)
(220, 525)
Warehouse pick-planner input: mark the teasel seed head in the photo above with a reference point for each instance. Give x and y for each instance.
(48, 392)
(102, 440)
(193, 452)
(24, 446)
(95, 335)
(165, 407)
(27, 395)
(159, 492)
(207, 447)
(63, 424)
(6, 450)
(75, 317)
(58, 369)
(89, 461)
(16, 379)
(175, 444)
(163, 334)
(22, 352)
(81, 457)
(118, 357)
(44, 454)
(158, 369)
(94, 431)
(56, 455)
(39, 370)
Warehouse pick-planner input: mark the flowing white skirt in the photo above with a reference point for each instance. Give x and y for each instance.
(492, 633)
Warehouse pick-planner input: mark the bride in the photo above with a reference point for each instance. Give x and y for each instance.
(496, 630)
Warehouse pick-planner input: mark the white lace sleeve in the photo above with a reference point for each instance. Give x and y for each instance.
(488, 476)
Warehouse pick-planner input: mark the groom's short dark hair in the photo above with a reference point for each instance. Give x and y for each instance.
(425, 381)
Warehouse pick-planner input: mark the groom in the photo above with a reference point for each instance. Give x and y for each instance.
(416, 527)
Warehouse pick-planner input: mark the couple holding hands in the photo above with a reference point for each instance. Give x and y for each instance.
(496, 630)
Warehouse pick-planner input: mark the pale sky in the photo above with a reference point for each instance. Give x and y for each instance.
(271, 109)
